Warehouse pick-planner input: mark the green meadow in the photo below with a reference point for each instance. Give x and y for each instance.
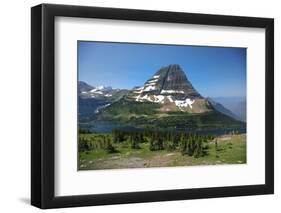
(121, 150)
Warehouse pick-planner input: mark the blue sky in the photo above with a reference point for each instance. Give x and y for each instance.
(213, 71)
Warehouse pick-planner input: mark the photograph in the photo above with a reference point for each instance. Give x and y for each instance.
(159, 105)
(140, 105)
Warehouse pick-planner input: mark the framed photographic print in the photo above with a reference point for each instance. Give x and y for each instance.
(139, 106)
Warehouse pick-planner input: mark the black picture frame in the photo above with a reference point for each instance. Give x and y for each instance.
(43, 111)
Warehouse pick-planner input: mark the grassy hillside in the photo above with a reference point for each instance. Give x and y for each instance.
(147, 115)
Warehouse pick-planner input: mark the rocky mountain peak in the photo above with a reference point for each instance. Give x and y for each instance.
(84, 87)
(170, 80)
(171, 87)
(87, 91)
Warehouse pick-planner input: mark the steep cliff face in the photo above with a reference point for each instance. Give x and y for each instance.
(170, 87)
(174, 81)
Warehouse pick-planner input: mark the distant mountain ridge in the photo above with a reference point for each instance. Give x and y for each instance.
(219, 107)
(84, 87)
(91, 100)
(87, 91)
(237, 105)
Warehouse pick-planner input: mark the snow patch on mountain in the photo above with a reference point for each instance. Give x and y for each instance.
(170, 98)
(162, 98)
(100, 87)
(159, 98)
(138, 90)
(96, 92)
(148, 88)
(171, 91)
(101, 107)
(140, 98)
(153, 80)
(154, 98)
(93, 90)
(184, 103)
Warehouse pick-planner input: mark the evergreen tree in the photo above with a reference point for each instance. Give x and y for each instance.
(198, 148)
(134, 141)
(183, 145)
(110, 148)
